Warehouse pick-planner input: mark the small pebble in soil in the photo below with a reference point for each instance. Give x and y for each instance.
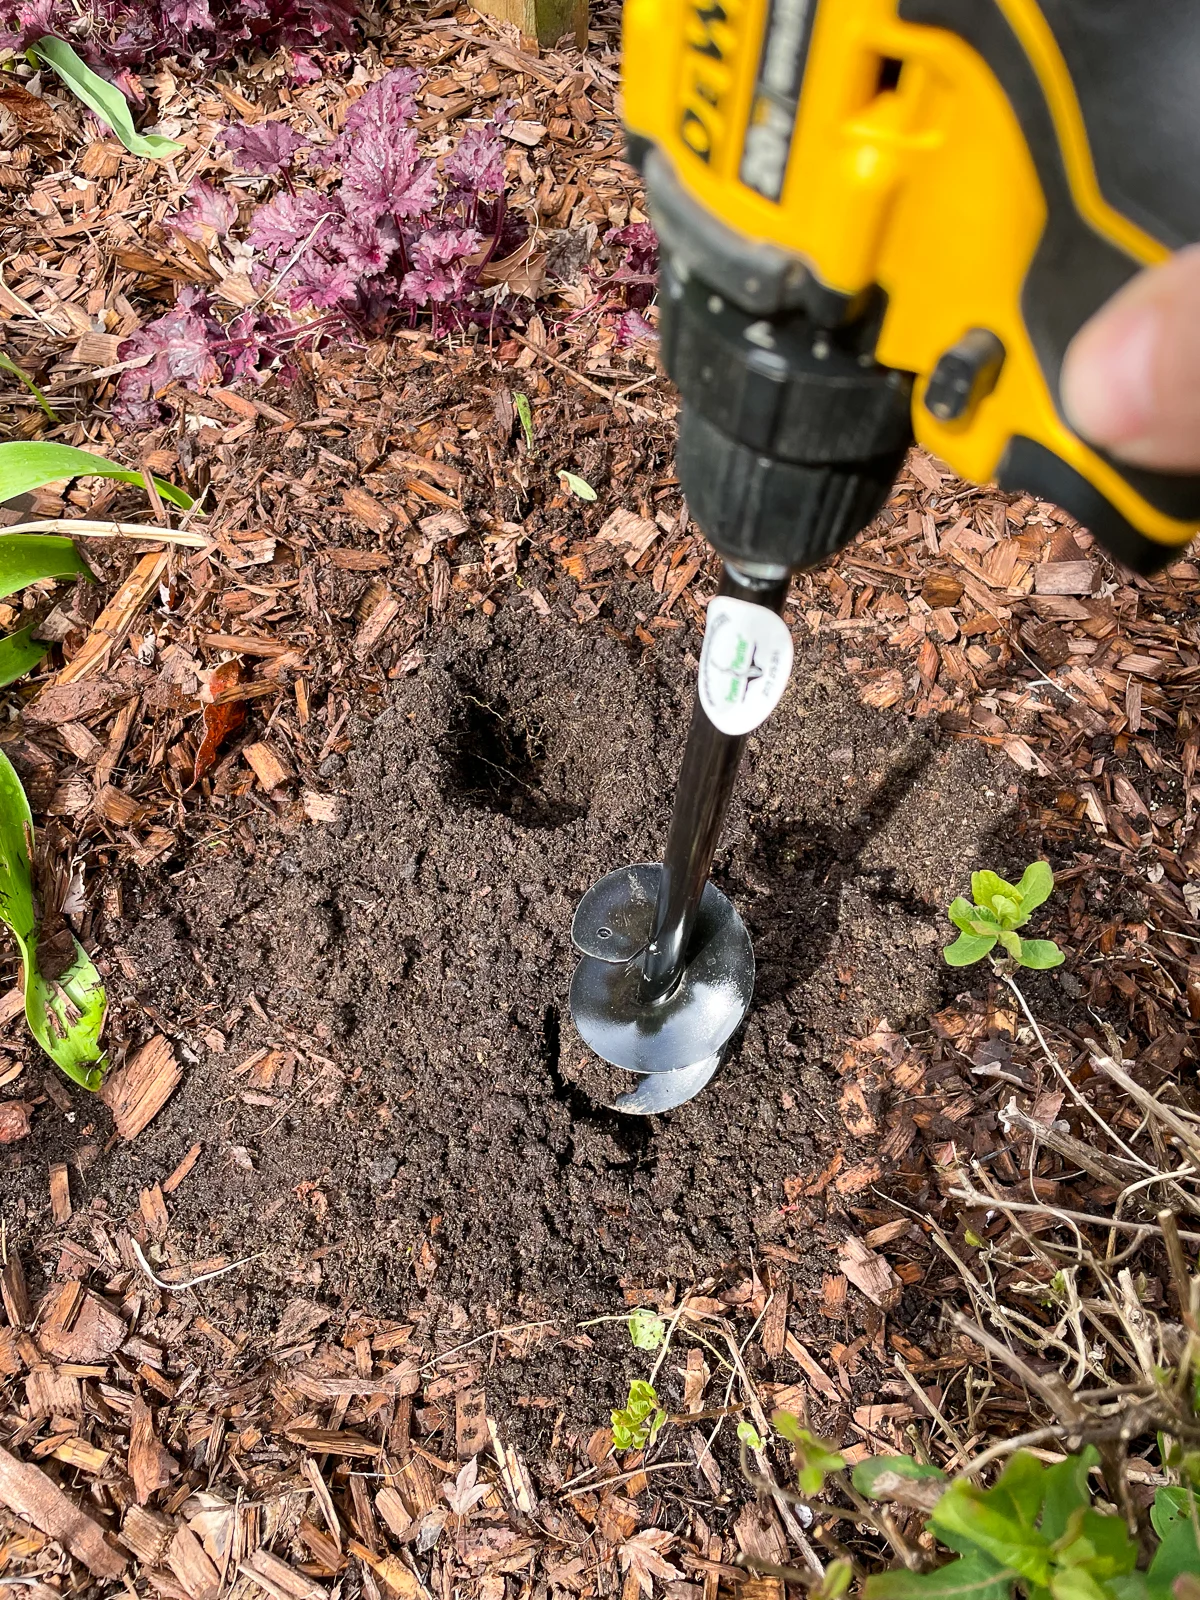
(382, 1170)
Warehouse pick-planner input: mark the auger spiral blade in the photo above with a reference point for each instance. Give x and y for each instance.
(666, 969)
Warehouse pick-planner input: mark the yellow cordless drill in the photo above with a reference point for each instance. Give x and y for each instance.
(888, 218)
(879, 219)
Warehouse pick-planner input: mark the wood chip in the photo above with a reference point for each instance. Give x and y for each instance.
(381, 617)
(60, 1192)
(187, 1560)
(150, 1466)
(146, 1534)
(470, 1423)
(137, 1092)
(326, 808)
(268, 766)
(27, 1491)
(115, 621)
(169, 1185)
(367, 509)
(1066, 577)
(333, 1442)
(869, 1272)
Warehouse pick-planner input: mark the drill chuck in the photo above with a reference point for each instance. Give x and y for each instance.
(790, 435)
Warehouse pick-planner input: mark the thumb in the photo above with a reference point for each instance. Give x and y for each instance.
(1131, 378)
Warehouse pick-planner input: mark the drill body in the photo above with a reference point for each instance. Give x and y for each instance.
(886, 219)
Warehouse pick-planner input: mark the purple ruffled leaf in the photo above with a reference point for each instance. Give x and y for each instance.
(440, 267)
(292, 222)
(476, 164)
(383, 175)
(210, 211)
(388, 103)
(632, 328)
(640, 244)
(264, 147)
(182, 345)
(114, 34)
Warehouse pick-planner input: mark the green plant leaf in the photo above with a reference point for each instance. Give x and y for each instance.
(9, 365)
(868, 1473)
(646, 1330)
(105, 99)
(749, 1434)
(1172, 1518)
(1011, 943)
(974, 1577)
(1067, 1490)
(815, 1458)
(1001, 1521)
(65, 1014)
(839, 1575)
(521, 402)
(1008, 910)
(27, 558)
(962, 914)
(1036, 885)
(968, 948)
(20, 652)
(577, 485)
(29, 465)
(986, 885)
(1040, 954)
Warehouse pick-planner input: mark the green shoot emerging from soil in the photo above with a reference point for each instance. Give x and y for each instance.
(647, 1330)
(1001, 908)
(638, 1425)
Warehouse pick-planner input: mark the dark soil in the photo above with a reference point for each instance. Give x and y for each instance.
(441, 1132)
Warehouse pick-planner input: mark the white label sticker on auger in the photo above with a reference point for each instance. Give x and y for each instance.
(745, 664)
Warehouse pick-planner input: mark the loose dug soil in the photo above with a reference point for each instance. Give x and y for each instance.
(430, 1119)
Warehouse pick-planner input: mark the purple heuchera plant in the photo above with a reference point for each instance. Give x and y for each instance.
(637, 273)
(387, 240)
(267, 148)
(115, 34)
(181, 346)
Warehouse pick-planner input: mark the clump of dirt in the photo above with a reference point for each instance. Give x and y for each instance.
(433, 1121)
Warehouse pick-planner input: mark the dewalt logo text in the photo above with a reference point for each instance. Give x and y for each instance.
(711, 40)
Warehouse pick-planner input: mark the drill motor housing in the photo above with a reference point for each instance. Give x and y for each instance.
(886, 219)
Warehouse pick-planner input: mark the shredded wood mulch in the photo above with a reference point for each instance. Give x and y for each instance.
(210, 677)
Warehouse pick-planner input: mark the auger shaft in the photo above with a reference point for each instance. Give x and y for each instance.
(706, 778)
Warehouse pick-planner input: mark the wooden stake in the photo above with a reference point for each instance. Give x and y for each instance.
(543, 20)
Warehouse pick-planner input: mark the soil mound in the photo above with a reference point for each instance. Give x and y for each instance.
(424, 1114)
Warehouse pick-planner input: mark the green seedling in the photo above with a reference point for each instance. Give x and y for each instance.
(1034, 1533)
(638, 1425)
(7, 364)
(521, 402)
(999, 909)
(105, 99)
(815, 1459)
(579, 487)
(647, 1330)
(748, 1434)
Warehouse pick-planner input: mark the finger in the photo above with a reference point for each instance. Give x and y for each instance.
(1131, 378)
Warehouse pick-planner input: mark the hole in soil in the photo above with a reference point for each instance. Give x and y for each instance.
(494, 759)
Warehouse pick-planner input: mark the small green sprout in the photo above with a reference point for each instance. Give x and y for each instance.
(521, 402)
(749, 1435)
(999, 909)
(638, 1425)
(815, 1459)
(646, 1330)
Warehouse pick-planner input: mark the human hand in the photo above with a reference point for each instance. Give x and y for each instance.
(1131, 378)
